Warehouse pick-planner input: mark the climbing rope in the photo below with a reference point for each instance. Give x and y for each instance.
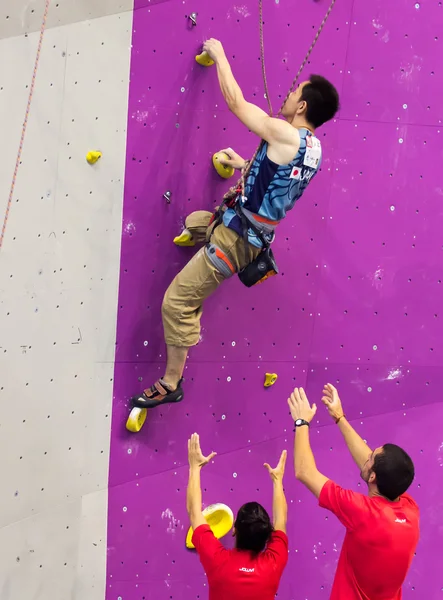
(25, 123)
(308, 54)
(233, 191)
(262, 54)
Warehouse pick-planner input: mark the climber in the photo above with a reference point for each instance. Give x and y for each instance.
(251, 571)
(241, 234)
(382, 528)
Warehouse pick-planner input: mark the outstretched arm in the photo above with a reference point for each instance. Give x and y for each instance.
(279, 507)
(194, 493)
(194, 498)
(304, 463)
(279, 504)
(257, 120)
(358, 448)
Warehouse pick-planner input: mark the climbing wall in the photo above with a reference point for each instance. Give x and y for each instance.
(357, 302)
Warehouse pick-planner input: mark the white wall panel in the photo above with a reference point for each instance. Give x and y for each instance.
(25, 16)
(59, 270)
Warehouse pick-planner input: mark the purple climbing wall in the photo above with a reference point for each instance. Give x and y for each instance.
(357, 303)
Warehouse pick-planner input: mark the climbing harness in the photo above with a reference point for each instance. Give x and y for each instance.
(25, 122)
(264, 265)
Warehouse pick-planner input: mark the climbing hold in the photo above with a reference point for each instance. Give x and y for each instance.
(136, 419)
(219, 518)
(225, 171)
(270, 379)
(184, 239)
(93, 156)
(204, 59)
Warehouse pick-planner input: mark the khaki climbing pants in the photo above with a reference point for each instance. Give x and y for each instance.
(183, 301)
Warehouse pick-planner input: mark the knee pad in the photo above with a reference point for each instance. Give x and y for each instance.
(219, 260)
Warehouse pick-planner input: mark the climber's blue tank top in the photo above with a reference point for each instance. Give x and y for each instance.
(271, 189)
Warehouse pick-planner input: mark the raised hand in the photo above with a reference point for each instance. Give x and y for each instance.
(300, 407)
(195, 455)
(332, 401)
(277, 473)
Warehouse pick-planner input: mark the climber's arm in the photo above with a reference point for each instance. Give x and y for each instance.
(274, 131)
(257, 120)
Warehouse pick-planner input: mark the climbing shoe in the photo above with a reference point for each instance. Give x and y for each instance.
(157, 394)
(184, 239)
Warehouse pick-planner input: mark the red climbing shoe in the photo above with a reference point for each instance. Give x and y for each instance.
(159, 393)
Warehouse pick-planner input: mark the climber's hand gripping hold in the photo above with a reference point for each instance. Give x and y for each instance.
(214, 48)
(234, 160)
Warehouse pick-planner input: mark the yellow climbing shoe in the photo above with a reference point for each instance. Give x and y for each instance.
(184, 239)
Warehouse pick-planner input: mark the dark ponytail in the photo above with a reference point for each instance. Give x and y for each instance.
(253, 528)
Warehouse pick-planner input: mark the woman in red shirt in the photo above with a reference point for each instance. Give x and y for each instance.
(252, 570)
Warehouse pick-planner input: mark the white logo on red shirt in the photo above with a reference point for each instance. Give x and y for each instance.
(400, 521)
(245, 570)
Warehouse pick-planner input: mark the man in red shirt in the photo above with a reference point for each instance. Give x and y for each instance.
(251, 571)
(382, 529)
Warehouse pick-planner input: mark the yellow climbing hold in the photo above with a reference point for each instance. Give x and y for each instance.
(219, 518)
(270, 379)
(136, 419)
(225, 171)
(204, 59)
(184, 239)
(93, 156)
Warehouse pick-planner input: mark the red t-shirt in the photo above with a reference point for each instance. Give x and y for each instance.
(380, 541)
(239, 574)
